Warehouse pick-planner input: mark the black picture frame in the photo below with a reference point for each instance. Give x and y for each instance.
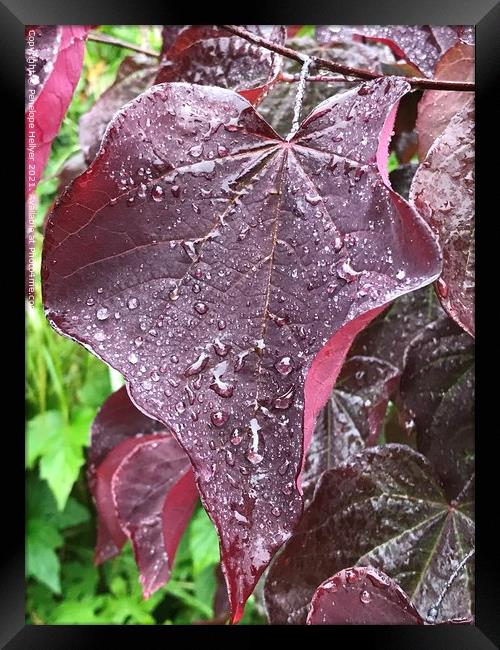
(14, 15)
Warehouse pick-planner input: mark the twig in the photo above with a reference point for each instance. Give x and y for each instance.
(299, 98)
(327, 79)
(317, 62)
(110, 40)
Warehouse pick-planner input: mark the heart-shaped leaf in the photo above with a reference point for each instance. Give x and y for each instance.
(54, 58)
(143, 487)
(210, 55)
(352, 418)
(443, 192)
(382, 508)
(361, 596)
(225, 272)
(437, 393)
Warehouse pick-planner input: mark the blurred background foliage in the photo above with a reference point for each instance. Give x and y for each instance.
(65, 386)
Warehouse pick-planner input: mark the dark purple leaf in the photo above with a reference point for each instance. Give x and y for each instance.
(443, 192)
(436, 108)
(209, 55)
(169, 34)
(143, 487)
(225, 272)
(437, 393)
(382, 508)
(135, 75)
(54, 58)
(387, 337)
(361, 596)
(352, 418)
(421, 45)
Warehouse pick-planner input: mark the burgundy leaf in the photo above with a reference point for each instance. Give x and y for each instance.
(361, 596)
(382, 508)
(136, 74)
(221, 600)
(228, 282)
(118, 420)
(352, 418)
(169, 34)
(437, 391)
(436, 108)
(53, 66)
(443, 192)
(421, 45)
(388, 336)
(212, 56)
(154, 494)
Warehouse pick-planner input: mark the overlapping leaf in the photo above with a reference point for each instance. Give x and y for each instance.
(53, 67)
(136, 74)
(437, 391)
(388, 336)
(143, 486)
(210, 262)
(381, 508)
(352, 418)
(421, 45)
(361, 596)
(437, 107)
(443, 192)
(210, 55)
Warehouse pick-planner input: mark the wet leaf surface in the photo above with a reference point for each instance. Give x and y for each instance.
(443, 192)
(55, 61)
(436, 108)
(437, 393)
(352, 418)
(210, 55)
(361, 596)
(383, 508)
(225, 273)
(421, 45)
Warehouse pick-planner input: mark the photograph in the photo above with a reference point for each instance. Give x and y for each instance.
(250, 325)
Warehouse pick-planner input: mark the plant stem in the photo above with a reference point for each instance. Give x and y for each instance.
(96, 37)
(327, 79)
(319, 63)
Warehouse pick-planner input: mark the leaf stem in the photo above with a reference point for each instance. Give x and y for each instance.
(319, 63)
(433, 612)
(96, 37)
(327, 79)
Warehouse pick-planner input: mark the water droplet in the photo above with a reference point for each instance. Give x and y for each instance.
(236, 438)
(442, 288)
(102, 313)
(198, 365)
(284, 366)
(174, 293)
(351, 576)
(240, 361)
(180, 407)
(200, 307)
(282, 469)
(157, 193)
(191, 248)
(401, 274)
(229, 457)
(221, 349)
(190, 394)
(432, 614)
(100, 335)
(176, 190)
(132, 303)
(287, 489)
(133, 358)
(222, 389)
(147, 385)
(254, 457)
(196, 151)
(90, 301)
(174, 358)
(221, 324)
(219, 418)
(313, 199)
(365, 597)
(284, 401)
(276, 511)
(138, 341)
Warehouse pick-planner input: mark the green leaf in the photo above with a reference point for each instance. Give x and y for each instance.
(392, 162)
(203, 542)
(60, 449)
(42, 430)
(71, 612)
(41, 504)
(42, 561)
(306, 31)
